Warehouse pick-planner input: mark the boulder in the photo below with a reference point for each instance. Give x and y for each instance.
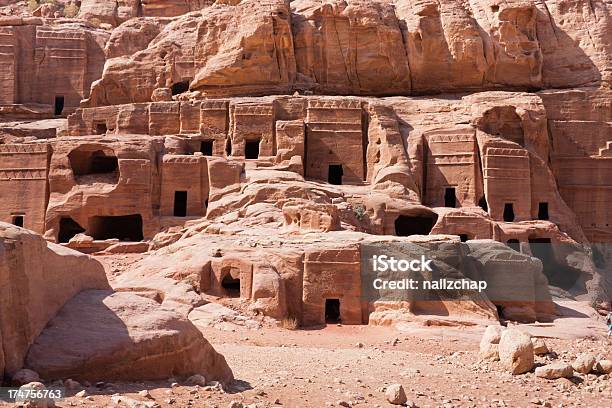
(395, 394)
(34, 403)
(516, 351)
(603, 367)
(554, 371)
(106, 336)
(489, 344)
(25, 376)
(36, 279)
(584, 363)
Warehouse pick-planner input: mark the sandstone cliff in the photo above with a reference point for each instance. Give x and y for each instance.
(366, 48)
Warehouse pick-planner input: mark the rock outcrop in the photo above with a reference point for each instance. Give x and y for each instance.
(367, 48)
(106, 336)
(36, 279)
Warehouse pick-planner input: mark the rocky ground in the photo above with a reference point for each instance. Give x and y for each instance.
(352, 366)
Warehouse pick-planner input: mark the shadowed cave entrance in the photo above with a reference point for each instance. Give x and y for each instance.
(206, 147)
(102, 163)
(180, 87)
(332, 311)
(68, 228)
(406, 225)
(58, 106)
(231, 286)
(558, 274)
(125, 228)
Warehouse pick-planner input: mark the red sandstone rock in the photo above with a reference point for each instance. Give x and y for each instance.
(105, 336)
(37, 278)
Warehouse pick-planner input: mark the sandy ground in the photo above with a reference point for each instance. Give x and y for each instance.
(351, 365)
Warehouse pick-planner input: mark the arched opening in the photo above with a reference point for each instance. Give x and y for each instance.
(332, 311)
(231, 286)
(508, 212)
(180, 203)
(503, 121)
(334, 174)
(251, 150)
(68, 228)
(514, 244)
(464, 237)
(406, 225)
(124, 228)
(542, 211)
(101, 162)
(450, 197)
(180, 87)
(58, 106)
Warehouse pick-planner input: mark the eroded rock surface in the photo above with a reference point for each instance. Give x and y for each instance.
(101, 335)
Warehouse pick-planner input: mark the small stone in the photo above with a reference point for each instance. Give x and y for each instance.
(359, 345)
(395, 394)
(197, 379)
(81, 394)
(554, 371)
(343, 404)
(539, 347)
(145, 394)
(235, 404)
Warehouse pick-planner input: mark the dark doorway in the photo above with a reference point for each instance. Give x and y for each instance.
(508, 212)
(334, 174)
(251, 150)
(514, 244)
(18, 220)
(206, 147)
(482, 203)
(59, 105)
(228, 147)
(414, 225)
(450, 198)
(463, 237)
(231, 286)
(543, 211)
(125, 227)
(100, 128)
(332, 311)
(180, 87)
(68, 228)
(180, 203)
